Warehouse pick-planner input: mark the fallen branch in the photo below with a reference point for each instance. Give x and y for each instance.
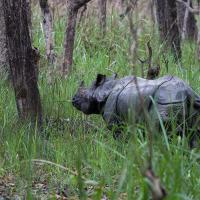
(40, 161)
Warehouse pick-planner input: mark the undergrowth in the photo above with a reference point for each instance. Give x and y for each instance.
(77, 152)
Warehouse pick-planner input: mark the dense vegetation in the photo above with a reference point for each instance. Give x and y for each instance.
(76, 153)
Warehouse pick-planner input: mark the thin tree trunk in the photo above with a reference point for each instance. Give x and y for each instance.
(134, 34)
(186, 21)
(102, 15)
(73, 8)
(151, 7)
(184, 28)
(29, 15)
(69, 40)
(48, 30)
(198, 45)
(167, 20)
(22, 60)
(3, 47)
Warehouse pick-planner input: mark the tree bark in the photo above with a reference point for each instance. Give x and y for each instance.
(4, 65)
(48, 30)
(69, 41)
(29, 15)
(186, 22)
(134, 31)
(22, 61)
(167, 21)
(73, 7)
(102, 15)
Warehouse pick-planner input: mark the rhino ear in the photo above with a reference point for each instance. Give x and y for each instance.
(100, 79)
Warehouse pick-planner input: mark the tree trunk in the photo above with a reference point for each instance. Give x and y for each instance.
(102, 15)
(73, 7)
(69, 40)
(133, 26)
(198, 45)
(48, 30)
(29, 15)
(186, 22)
(167, 21)
(151, 7)
(22, 60)
(3, 47)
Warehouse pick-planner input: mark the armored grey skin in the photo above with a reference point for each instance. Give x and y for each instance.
(119, 100)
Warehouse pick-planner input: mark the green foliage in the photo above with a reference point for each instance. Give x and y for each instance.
(82, 153)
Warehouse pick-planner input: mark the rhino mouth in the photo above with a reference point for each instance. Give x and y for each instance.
(76, 103)
(81, 106)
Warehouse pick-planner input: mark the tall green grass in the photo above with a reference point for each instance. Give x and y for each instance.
(78, 150)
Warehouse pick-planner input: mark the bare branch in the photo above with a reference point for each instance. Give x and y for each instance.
(84, 8)
(132, 4)
(187, 5)
(157, 190)
(150, 54)
(78, 3)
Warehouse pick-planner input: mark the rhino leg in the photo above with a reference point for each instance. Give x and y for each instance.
(194, 126)
(117, 129)
(117, 135)
(194, 140)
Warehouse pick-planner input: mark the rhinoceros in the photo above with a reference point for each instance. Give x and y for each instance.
(118, 100)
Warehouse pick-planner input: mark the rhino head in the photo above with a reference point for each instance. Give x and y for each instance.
(92, 100)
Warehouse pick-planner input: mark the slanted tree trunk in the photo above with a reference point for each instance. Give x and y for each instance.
(73, 7)
(102, 15)
(3, 47)
(22, 61)
(48, 30)
(167, 21)
(186, 21)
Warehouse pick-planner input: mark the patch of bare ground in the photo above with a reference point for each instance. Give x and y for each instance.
(44, 186)
(12, 188)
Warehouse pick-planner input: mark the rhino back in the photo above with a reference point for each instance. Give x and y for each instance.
(125, 101)
(132, 101)
(171, 92)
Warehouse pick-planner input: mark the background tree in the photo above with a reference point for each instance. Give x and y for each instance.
(193, 11)
(3, 47)
(186, 21)
(73, 7)
(22, 61)
(47, 23)
(132, 9)
(102, 15)
(167, 21)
